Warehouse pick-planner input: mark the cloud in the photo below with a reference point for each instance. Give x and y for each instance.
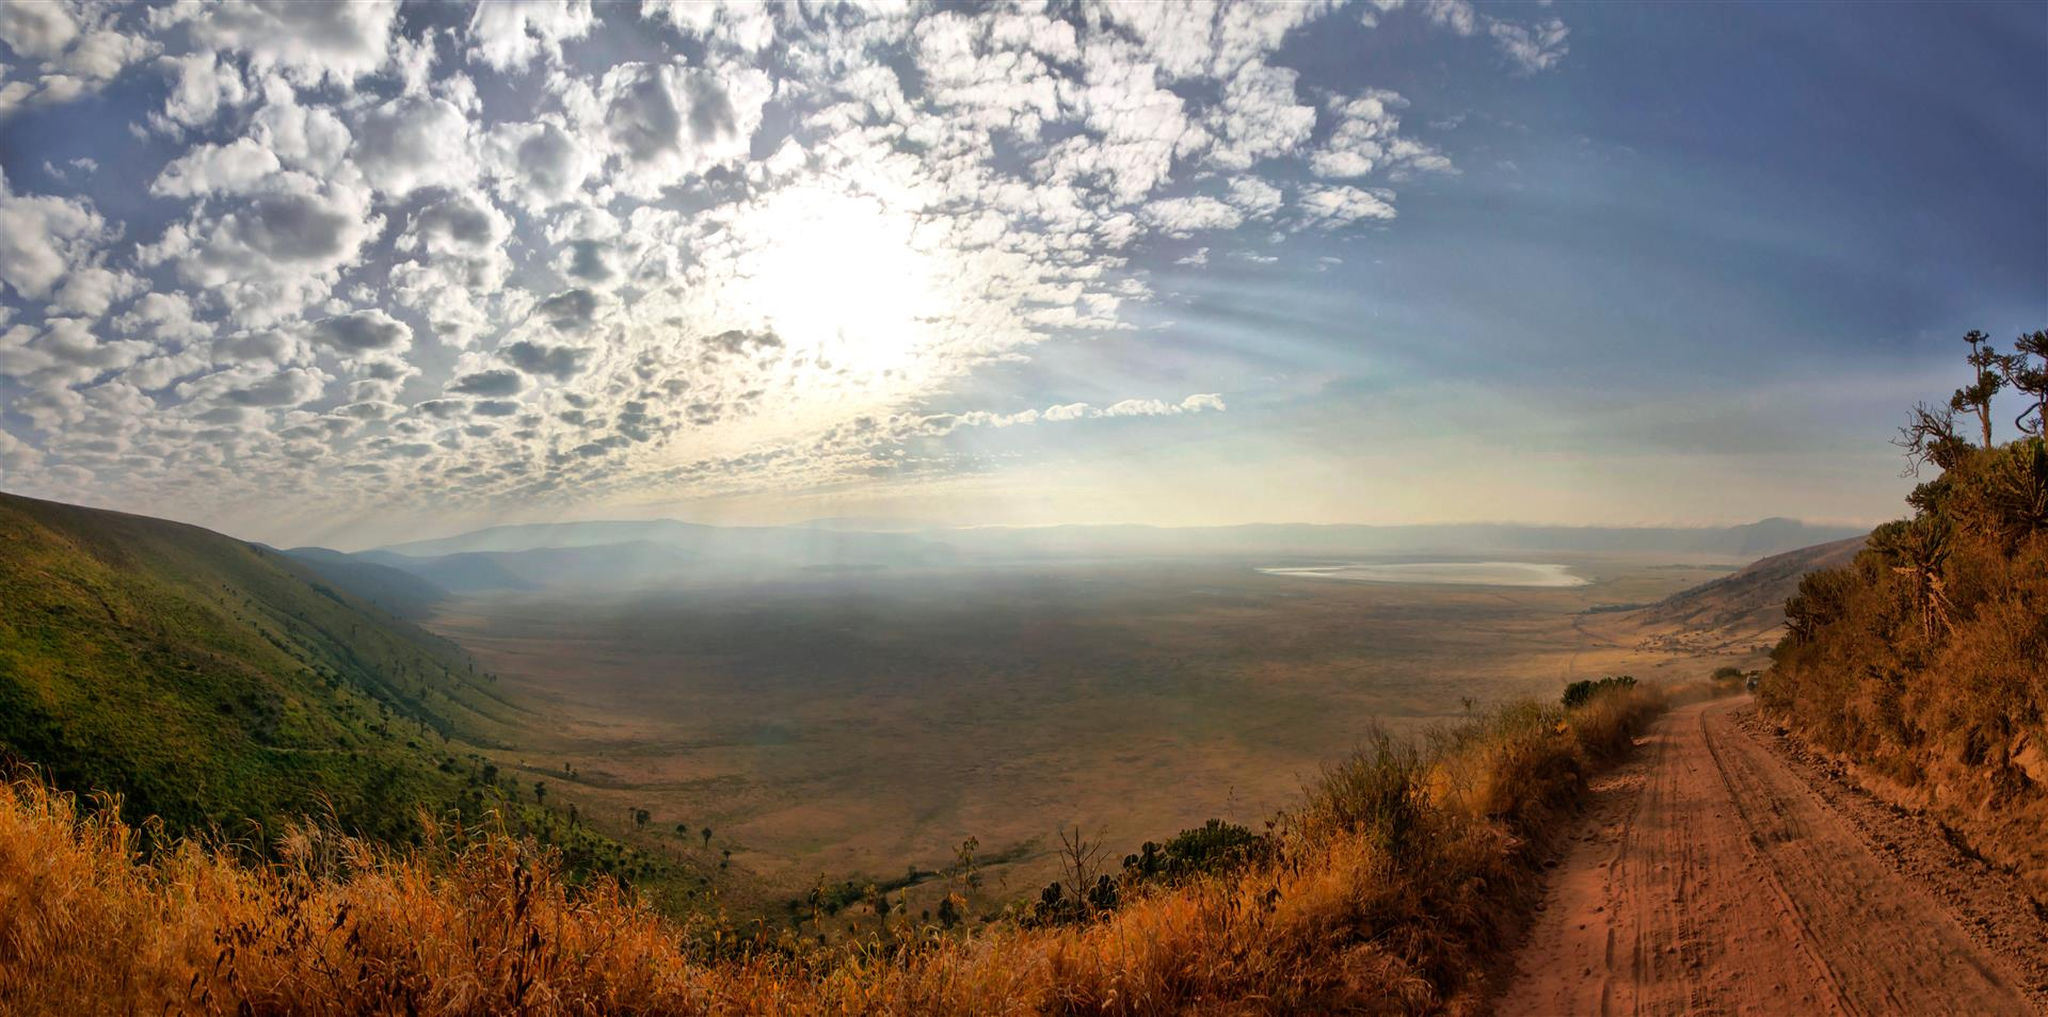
(42, 237)
(510, 36)
(1183, 217)
(363, 332)
(667, 122)
(309, 43)
(560, 362)
(1333, 206)
(498, 382)
(37, 31)
(235, 168)
(410, 143)
(567, 252)
(1532, 48)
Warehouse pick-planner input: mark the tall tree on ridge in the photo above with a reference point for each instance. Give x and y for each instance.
(1976, 397)
(2026, 370)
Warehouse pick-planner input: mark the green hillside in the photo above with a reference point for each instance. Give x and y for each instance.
(218, 684)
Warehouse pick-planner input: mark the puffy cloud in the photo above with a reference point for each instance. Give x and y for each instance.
(666, 122)
(561, 362)
(1326, 206)
(1184, 216)
(234, 168)
(309, 43)
(538, 164)
(569, 311)
(741, 25)
(308, 138)
(499, 382)
(411, 142)
(363, 332)
(42, 237)
(202, 85)
(510, 36)
(37, 31)
(747, 258)
(274, 253)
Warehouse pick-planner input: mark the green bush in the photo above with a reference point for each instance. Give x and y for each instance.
(1580, 693)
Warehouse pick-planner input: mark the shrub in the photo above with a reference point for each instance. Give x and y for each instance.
(1581, 692)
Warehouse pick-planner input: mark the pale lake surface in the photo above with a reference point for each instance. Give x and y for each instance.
(1442, 573)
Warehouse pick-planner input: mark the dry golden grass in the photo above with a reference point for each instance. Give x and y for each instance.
(1392, 888)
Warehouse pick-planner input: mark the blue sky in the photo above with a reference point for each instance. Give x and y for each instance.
(349, 274)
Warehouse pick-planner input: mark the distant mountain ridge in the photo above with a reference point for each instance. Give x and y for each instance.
(635, 553)
(1766, 536)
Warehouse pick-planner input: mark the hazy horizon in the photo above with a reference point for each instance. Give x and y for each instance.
(357, 274)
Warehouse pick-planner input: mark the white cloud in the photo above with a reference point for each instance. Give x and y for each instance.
(510, 36)
(1183, 217)
(1327, 206)
(309, 43)
(1532, 48)
(37, 31)
(667, 122)
(42, 237)
(202, 85)
(748, 254)
(234, 168)
(411, 142)
(538, 164)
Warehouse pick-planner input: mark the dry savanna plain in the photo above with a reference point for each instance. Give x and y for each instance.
(861, 725)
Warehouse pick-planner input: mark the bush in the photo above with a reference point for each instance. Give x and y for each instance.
(1579, 693)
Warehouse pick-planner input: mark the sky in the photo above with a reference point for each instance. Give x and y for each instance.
(353, 274)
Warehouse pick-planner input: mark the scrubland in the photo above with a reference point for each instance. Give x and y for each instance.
(1924, 663)
(1392, 886)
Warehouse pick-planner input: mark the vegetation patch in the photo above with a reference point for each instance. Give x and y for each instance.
(1394, 886)
(1925, 660)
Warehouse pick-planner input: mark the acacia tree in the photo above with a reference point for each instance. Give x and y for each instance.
(1976, 396)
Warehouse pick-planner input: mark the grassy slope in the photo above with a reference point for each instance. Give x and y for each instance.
(1394, 887)
(214, 683)
(1749, 605)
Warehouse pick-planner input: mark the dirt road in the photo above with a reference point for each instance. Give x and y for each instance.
(1718, 873)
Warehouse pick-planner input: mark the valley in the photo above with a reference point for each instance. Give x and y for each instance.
(841, 724)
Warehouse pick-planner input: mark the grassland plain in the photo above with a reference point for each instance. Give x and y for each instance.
(840, 726)
(1390, 886)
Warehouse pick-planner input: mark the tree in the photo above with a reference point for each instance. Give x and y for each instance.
(1929, 438)
(2026, 370)
(640, 818)
(540, 792)
(707, 836)
(1976, 396)
(682, 829)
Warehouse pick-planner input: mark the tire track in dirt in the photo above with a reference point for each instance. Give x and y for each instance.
(1710, 876)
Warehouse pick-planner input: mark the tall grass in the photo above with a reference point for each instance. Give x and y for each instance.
(1393, 887)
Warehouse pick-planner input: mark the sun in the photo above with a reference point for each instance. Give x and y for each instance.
(843, 282)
